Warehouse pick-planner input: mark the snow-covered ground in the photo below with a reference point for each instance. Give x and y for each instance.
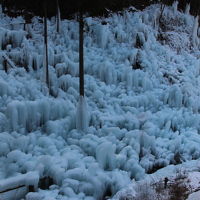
(194, 196)
(183, 182)
(142, 94)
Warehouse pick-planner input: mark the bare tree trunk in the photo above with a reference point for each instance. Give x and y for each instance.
(81, 54)
(46, 45)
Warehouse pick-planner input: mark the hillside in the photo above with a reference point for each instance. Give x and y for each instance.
(142, 102)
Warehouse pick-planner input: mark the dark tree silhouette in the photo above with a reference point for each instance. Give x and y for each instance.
(81, 54)
(46, 44)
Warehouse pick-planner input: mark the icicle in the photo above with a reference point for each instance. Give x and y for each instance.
(135, 78)
(51, 56)
(102, 35)
(175, 6)
(82, 115)
(129, 79)
(12, 114)
(175, 97)
(155, 23)
(187, 9)
(59, 26)
(4, 88)
(72, 67)
(22, 113)
(195, 39)
(108, 73)
(26, 54)
(17, 38)
(105, 155)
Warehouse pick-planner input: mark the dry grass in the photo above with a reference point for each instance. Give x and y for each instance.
(175, 189)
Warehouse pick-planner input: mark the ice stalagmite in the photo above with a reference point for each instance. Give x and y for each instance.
(82, 114)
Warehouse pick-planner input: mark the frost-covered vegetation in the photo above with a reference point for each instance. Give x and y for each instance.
(142, 98)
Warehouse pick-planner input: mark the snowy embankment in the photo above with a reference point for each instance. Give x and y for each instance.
(142, 91)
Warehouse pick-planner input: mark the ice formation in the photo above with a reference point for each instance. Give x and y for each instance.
(82, 114)
(140, 111)
(195, 38)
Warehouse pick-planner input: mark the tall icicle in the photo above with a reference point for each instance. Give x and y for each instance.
(187, 9)
(82, 115)
(58, 18)
(175, 6)
(195, 38)
(187, 14)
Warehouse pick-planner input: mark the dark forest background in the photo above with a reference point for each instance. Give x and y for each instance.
(93, 7)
